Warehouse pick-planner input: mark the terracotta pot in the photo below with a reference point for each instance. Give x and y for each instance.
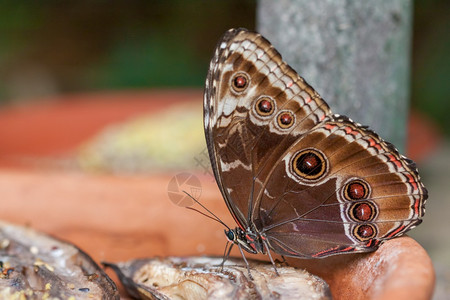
(120, 218)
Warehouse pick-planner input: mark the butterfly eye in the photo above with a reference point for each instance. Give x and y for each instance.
(239, 82)
(362, 212)
(285, 119)
(364, 232)
(265, 106)
(309, 164)
(356, 190)
(230, 235)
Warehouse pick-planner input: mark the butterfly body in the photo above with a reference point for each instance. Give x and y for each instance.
(248, 240)
(299, 180)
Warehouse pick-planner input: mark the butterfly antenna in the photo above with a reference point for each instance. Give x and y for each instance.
(202, 213)
(212, 216)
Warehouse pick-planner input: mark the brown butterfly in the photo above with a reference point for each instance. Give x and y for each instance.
(299, 180)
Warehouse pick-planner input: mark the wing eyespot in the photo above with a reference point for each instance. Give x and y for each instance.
(285, 119)
(309, 164)
(365, 232)
(240, 82)
(362, 211)
(265, 106)
(356, 189)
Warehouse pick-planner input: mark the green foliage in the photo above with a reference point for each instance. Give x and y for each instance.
(152, 61)
(431, 61)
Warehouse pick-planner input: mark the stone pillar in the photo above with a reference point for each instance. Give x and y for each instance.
(355, 53)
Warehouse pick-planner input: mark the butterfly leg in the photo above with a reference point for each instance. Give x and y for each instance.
(226, 254)
(246, 262)
(271, 259)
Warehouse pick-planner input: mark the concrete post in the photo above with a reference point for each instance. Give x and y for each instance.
(355, 53)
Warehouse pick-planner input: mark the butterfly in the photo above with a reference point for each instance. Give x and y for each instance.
(299, 180)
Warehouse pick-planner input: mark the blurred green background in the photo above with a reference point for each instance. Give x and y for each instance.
(92, 45)
(53, 47)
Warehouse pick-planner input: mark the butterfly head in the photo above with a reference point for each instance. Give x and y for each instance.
(246, 240)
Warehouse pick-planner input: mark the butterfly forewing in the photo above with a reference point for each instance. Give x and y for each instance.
(241, 124)
(311, 183)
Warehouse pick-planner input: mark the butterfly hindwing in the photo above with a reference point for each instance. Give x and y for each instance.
(343, 188)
